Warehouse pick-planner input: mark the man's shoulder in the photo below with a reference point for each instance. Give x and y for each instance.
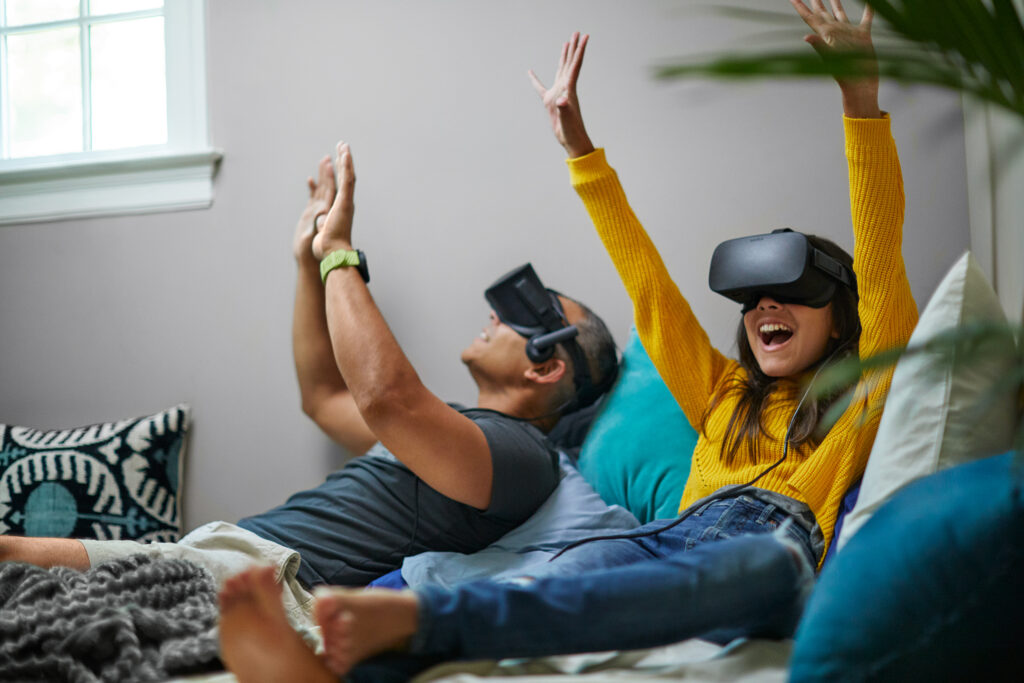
(496, 423)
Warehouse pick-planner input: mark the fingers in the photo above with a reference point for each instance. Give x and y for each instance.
(537, 85)
(311, 185)
(805, 13)
(577, 59)
(869, 14)
(346, 173)
(327, 176)
(817, 42)
(837, 9)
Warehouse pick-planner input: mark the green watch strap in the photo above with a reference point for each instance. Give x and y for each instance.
(337, 259)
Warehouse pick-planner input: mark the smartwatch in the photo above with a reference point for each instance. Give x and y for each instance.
(345, 257)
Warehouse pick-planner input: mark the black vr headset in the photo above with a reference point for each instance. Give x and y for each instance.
(521, 301)
(782, 264)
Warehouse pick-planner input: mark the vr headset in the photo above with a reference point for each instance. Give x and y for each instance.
(521, 301)
(782, 264)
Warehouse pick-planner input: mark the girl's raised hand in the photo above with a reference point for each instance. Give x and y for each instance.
(835, 33)
(561, 101)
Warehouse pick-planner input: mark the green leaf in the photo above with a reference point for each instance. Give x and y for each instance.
(957, 44)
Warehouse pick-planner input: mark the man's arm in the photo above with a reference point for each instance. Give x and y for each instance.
(325, 396)
(444, 448)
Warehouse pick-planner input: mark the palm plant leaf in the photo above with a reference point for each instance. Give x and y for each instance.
(972, 46)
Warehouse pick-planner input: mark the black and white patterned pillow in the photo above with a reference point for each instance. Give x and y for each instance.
(115, 480)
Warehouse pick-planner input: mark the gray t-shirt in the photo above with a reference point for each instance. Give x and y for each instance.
(371, 514)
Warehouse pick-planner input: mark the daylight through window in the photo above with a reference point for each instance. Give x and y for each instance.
(102, 108)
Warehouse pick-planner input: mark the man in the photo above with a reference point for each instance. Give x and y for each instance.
(441, 477)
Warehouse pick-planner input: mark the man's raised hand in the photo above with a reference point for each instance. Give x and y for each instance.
(561, 101)
(336, 231)
(321, 195)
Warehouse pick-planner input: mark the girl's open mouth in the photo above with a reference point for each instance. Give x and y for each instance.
(774, 335)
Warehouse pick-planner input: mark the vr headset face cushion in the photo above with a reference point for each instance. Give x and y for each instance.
(779, 264)
(521, 301)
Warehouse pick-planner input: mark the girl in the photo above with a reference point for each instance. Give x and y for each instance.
(759, 465)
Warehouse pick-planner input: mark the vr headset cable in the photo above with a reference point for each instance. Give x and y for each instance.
(721, 494)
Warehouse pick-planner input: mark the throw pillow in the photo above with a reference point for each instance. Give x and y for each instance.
(115, 480)
(929, 590)
(572, 512)
(942, 410)
(637, 453)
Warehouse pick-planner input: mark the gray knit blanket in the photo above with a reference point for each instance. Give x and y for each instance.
(132, 619)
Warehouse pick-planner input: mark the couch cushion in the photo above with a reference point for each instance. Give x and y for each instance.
(930, 588)
(114, 480)
(638, 451)
(942, 410)
(573, 512)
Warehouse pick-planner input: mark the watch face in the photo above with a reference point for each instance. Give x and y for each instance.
(363, 269)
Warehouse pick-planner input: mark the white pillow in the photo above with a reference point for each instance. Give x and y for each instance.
(941, 411)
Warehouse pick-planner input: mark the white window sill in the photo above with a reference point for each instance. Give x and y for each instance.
(108, 187)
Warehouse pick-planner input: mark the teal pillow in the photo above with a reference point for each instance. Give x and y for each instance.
(637, 453)
(930, 589)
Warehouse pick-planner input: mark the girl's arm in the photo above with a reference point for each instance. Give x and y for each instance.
(886, 307)
(675, 341)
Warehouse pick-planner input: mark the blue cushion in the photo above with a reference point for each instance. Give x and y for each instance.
(572, 512)
(637, 453)
(929, 589)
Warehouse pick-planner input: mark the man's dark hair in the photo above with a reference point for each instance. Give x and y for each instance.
(598, 348)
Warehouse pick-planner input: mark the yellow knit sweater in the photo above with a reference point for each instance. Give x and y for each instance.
(695, 371)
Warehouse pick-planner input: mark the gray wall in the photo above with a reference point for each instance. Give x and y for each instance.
(459, 180)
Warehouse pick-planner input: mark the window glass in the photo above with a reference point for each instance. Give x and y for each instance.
(45, 90)
(21, 12)
(129, 94)
(115, 6)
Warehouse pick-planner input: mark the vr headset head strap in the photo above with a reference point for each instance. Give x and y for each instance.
(833, 268)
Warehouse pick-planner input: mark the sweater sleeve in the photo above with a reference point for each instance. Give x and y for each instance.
(886, 308)
(677, 344)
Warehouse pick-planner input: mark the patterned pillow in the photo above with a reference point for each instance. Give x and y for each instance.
(115, 480)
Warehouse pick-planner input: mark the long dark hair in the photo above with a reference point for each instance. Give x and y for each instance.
(746, 425)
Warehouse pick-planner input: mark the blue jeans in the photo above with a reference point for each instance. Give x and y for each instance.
(719, 572)
(715, 521)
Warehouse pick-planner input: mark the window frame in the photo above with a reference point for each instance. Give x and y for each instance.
(177, 175)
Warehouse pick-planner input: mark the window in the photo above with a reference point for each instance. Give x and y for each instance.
(102, 108)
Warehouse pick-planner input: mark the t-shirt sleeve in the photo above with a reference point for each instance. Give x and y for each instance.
(525, 467)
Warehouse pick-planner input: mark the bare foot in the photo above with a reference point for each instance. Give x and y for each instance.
(358, 624)
(257, 643)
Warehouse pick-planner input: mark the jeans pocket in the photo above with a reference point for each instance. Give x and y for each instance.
(744, 515)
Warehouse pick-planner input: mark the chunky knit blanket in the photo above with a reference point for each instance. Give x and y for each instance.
(132, 619)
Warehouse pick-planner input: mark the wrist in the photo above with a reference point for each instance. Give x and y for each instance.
(328, 246)
(861, 102)
(579, 150)
(305, 257)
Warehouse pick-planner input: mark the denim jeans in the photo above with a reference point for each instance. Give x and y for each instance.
(712, 521)
(719, 572)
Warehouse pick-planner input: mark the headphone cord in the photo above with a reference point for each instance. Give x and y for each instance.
(722, 493)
